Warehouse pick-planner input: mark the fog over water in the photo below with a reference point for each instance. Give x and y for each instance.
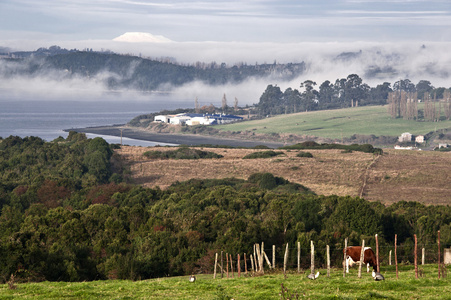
(375, 63)
(53, 101)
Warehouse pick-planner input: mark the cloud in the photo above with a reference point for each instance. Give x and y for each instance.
(252, 20)
(374, 62)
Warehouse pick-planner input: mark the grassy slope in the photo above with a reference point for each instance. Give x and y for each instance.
(365, 120)
(421, 176)
(262, 287)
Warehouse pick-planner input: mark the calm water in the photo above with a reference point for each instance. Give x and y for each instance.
(48, 119)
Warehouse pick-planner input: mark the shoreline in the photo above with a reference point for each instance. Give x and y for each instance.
(168, 138)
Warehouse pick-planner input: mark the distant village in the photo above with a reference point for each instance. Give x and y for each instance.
(191, 119)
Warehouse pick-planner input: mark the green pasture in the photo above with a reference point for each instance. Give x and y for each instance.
(365, 120)
(268, 286)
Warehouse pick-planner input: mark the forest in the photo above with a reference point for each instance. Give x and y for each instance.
(69, 212)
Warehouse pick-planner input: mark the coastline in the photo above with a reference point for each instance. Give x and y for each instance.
(168, 138)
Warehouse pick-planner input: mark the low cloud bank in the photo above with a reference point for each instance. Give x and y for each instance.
(375, 63)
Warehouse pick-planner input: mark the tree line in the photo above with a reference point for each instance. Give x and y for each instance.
(345, 92)
(68, 214)
(132, 72)
(402, 104)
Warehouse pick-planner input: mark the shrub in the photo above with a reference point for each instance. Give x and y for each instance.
(304, 154)
(263, 154)
(367, 148)
(181, 153)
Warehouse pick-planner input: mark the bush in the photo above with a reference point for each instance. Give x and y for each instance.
(181, 153)
(263, 154)
(304, 154)
(367, 148)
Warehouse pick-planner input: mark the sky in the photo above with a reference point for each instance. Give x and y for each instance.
(413, 36)
(278, 21)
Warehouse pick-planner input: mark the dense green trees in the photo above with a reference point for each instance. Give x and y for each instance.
(57, 224)
(344, 92)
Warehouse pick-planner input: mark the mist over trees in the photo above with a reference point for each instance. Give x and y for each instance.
(118, 71)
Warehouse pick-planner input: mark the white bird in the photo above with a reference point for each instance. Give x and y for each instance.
(377, 276)
(313, 276)
(192, 278)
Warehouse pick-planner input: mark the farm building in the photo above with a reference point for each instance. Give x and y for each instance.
(162, 119)
(197, 119)
(405, 137)
(397, 147)
(419, 139)
(179, 119)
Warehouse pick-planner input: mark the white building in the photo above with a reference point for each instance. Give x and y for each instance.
(162, 119)
(200, 121)
(405, 137)
(197, 119)
(179, 119)
(419, 139)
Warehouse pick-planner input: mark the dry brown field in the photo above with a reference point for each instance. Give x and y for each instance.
(397, 175)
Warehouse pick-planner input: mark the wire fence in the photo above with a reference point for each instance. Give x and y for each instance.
(294, 258)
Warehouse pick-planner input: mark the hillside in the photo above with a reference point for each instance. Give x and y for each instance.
(66, 214)
(356, 125)
(369, 124)
(117, 72)
(395, 176)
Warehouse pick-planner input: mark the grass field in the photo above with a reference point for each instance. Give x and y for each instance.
(334, 124)
(268, 286)
(421, 176)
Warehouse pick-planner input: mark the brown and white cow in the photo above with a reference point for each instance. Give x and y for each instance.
(353, 256)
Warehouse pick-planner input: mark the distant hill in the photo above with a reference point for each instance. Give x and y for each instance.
(118, 71)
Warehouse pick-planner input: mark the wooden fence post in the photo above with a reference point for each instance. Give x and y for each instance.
(396, 256)
(344, 257)
(273, 256)
(239, 266)
(415, 258)
(299, 257)
(439, 260)
(312, 257)
(252, 263)
(267, 259)
(362, 252)
(285, 259)
(231, 266)
(257, 262)
(255, 258)
(216, 263)
(328, 260)
(222, 265)
(377, 253)
(245, 264)
(389, 258)
(422, 256)
(227, 267)
(262, 258)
